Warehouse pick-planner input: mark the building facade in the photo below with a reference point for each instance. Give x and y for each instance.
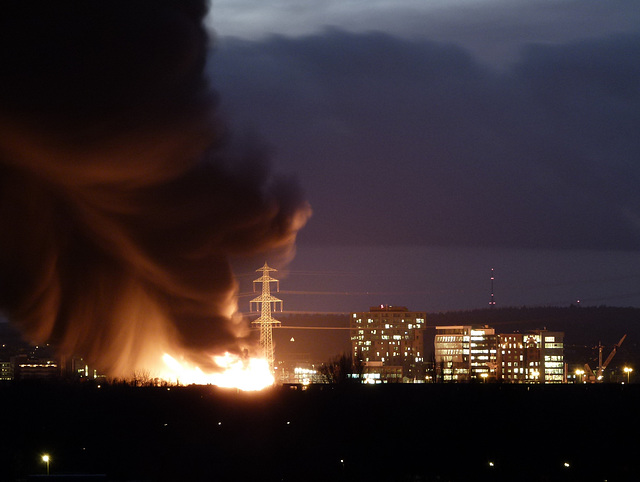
(27, 368)
(465, 352)
(389, 342)
(6, 370)
(532, 357)
(517, 363)
(476, 353)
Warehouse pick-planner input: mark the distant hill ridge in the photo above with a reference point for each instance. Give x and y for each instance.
(584, 327)
(581, 324)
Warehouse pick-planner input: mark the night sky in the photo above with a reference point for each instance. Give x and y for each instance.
(437, 140)
(153, 154)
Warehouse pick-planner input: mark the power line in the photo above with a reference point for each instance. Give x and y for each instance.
(346, 293)
(285, 327)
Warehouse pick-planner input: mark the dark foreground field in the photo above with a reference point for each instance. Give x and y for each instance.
(362, 433)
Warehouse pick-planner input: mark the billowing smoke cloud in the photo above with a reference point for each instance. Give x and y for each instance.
(122, 197)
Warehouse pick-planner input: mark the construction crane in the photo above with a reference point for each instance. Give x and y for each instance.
(597, 377)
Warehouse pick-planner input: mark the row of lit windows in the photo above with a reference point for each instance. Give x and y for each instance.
(514, 355)
(512, 345)
(554, 345)
(484, 346)
(448, 351)
(482, 357)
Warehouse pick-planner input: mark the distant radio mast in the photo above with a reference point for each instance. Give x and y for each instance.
(492, 301)
(266, 322)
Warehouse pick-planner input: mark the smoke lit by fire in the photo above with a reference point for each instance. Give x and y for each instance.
(122, 197)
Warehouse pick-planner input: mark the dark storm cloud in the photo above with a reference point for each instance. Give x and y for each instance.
(417, 142)
(492, 29)
(122, 197)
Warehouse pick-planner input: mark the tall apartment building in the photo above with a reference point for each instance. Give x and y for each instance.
(465, 352)
(389, 342)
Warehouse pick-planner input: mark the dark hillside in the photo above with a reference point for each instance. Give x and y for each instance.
(584, 328)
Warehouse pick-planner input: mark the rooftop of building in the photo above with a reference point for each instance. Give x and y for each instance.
(388, 308)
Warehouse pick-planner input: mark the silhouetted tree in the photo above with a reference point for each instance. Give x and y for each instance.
(342, 369)
(141, 378)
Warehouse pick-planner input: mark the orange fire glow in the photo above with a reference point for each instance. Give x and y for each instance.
(248, 374)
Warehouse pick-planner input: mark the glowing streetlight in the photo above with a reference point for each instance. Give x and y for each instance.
(484, 377)
(535, 375)
(46, 459)
(628, 371)
(580, 373)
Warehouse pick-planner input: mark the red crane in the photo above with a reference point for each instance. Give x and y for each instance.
(597, 377)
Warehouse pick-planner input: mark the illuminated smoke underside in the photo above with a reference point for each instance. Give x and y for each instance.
(121, 197)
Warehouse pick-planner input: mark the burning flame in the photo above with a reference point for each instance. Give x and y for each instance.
(248, 374)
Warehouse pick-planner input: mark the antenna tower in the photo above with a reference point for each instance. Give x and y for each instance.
(266, 322)
(492, 301)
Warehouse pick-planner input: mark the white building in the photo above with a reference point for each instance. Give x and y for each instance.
(465, 352)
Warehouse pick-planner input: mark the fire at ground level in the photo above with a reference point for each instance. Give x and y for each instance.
(351, 433)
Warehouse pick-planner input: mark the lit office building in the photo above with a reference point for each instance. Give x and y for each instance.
(533, 357)
(464, 353)
(389, 341)
(6, 370)
(25, 367)
(516, 364)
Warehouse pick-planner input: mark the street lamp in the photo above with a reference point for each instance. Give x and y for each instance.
(535, 374)
(484, 377)
(628, 371)
(46, 459)
(580, 373)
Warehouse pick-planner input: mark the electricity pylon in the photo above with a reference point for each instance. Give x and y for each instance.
(266, 322)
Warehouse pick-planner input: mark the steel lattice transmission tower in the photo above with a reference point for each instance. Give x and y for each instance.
(266, 322)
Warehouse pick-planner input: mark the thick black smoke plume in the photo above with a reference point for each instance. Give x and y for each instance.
(121, 198)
